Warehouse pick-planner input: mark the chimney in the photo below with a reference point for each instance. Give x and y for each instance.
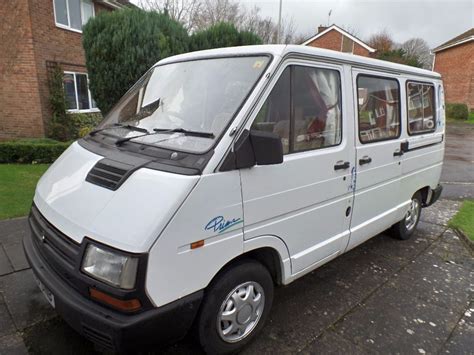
(322, 28)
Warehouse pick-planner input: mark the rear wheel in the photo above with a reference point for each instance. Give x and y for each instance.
(235, 308)
(406, 227)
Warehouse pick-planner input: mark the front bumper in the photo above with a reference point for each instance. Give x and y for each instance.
(110, 329)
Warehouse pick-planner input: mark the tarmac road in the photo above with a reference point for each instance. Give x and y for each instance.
(457, 176)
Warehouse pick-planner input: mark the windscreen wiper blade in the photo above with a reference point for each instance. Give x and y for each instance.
(186, 132)
(167, 130)
(119, 125)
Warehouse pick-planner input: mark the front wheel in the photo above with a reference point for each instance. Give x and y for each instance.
(235, 308)
(406, 227)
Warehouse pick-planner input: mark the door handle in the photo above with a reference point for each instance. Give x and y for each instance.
(398, 153)
(365, 160)
(341, 165)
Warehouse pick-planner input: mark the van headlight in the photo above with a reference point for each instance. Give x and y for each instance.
(112, 268)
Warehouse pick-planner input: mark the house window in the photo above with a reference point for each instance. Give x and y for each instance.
(78, 96)
(421, 108)
(73, 14)
(347, 45)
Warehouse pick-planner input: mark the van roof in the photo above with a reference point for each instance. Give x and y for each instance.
(283, 50)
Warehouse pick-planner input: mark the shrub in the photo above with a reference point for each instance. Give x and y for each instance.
(222, 35)
(58, 127)
(82, 123)
(31, 151)
(120, 46)
(457, 111)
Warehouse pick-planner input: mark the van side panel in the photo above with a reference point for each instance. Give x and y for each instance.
(304, 201)
(377, 200)
(423, 162)
(212, 212)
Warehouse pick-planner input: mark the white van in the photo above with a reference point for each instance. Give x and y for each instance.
(223, 173)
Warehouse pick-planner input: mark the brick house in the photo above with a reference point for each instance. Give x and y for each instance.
(37, 35)
(454, 60)
(335, 38)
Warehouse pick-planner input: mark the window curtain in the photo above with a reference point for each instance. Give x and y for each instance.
(391, 107)
(327, 82)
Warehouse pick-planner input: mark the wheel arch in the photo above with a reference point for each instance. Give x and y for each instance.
(270, 251)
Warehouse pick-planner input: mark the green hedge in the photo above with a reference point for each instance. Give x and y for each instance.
(457, 111)
(29, 151)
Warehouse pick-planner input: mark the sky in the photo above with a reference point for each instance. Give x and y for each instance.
(436, 21)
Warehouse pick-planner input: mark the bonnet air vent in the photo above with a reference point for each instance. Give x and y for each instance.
(109, 173)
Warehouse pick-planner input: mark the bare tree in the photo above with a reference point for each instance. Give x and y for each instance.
(214, 11)
(183, 11)
(351, 30)
(381, 41)
(197, 15)
(418, 48)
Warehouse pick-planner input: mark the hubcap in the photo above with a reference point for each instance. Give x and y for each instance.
(411, 217)
(240, 312)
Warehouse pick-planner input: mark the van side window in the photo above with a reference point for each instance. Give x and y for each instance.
(379, 108)
(274, 116)
(316, 108)
(421, 108)
(313, 119)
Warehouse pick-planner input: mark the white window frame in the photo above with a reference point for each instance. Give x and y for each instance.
(68, 26)
(89, 110)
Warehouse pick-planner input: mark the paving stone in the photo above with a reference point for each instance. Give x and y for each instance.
(301, 311)
(434, 281)
(6, 324)
(12, 345)
(453, 253)
(56, 337)
(440, 212)
(428, 230)
(331, 343)
(16, 255)
(388, 323)
(13, 230)
(24, 300)
(401, 250)
(360, 271)
(5, 266)
(450, 237)
(462, 339)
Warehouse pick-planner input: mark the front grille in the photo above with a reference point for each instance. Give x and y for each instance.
(59, 251)
(109, 174)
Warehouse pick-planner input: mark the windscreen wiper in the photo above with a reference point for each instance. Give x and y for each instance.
(120, 125)
(186, 132)
(168, 130)
(145, 111)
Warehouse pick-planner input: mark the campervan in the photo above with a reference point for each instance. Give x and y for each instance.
(222, 174)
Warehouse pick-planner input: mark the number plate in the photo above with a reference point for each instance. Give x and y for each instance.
(47, 293)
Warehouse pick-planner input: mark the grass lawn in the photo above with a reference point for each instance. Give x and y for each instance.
(17, 187)
(464, 219)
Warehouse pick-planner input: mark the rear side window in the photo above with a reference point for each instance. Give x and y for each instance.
(379, 108)
(421, 108)
(304, 109)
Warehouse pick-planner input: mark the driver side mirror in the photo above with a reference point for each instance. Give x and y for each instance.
(254, 148)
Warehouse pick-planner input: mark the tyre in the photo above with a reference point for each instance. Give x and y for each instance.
(406, 227)
(235, 308)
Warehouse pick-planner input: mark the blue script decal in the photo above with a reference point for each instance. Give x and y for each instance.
(219, 224)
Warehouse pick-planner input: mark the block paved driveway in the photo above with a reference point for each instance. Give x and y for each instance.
(386, 296)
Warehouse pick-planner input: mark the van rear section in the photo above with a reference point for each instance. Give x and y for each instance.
(223, 174)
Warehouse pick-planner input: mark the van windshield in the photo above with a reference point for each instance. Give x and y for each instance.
(186, 105)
